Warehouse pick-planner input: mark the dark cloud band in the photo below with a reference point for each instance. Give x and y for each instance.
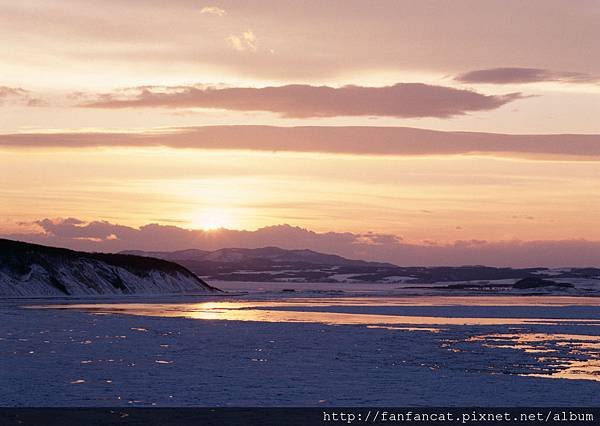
(516, 75)
(404, 100)
(336, 140)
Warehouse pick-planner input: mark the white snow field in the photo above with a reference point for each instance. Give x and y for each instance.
(275, 348)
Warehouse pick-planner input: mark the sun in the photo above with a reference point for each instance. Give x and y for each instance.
(211, 219)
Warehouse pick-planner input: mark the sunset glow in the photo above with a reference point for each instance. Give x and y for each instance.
(247, 118)
(322, 207)
(212, 219)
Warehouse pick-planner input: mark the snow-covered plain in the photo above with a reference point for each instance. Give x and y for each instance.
(308, 348)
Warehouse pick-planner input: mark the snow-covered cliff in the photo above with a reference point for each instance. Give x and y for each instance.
(35, 270)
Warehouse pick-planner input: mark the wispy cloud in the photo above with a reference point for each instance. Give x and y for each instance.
(106, 236)
(524, 75)
(6, 92)
(213, 10)
(405, 100)
(340, 140)
(19, 96)
(244, 42)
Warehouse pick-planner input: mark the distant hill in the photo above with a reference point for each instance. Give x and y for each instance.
(265, 264)
(272, 255)
(189, 254)
(36, 270)
(281, 265)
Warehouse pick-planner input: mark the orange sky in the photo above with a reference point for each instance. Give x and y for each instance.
(102, 103)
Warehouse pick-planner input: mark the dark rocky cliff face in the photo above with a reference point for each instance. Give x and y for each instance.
(35, 270)
(537, 282)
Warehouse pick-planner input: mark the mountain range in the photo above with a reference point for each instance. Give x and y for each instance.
(281, 265)
(31, 270)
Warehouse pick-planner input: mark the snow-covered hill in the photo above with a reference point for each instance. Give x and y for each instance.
(277, 265)
(35, 270)
(274, 255)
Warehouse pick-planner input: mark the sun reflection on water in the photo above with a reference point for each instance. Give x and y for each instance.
(568, 356)
(274, 311)
(562, 356)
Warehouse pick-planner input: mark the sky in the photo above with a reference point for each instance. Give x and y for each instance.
(425, 133)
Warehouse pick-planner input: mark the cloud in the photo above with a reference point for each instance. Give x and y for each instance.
(244, 42)
(235, 42)
(105, 236)
(524, 75)
(403, 100)
(19, 96)
(6, 92)
(213, 10)
(354, 140)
